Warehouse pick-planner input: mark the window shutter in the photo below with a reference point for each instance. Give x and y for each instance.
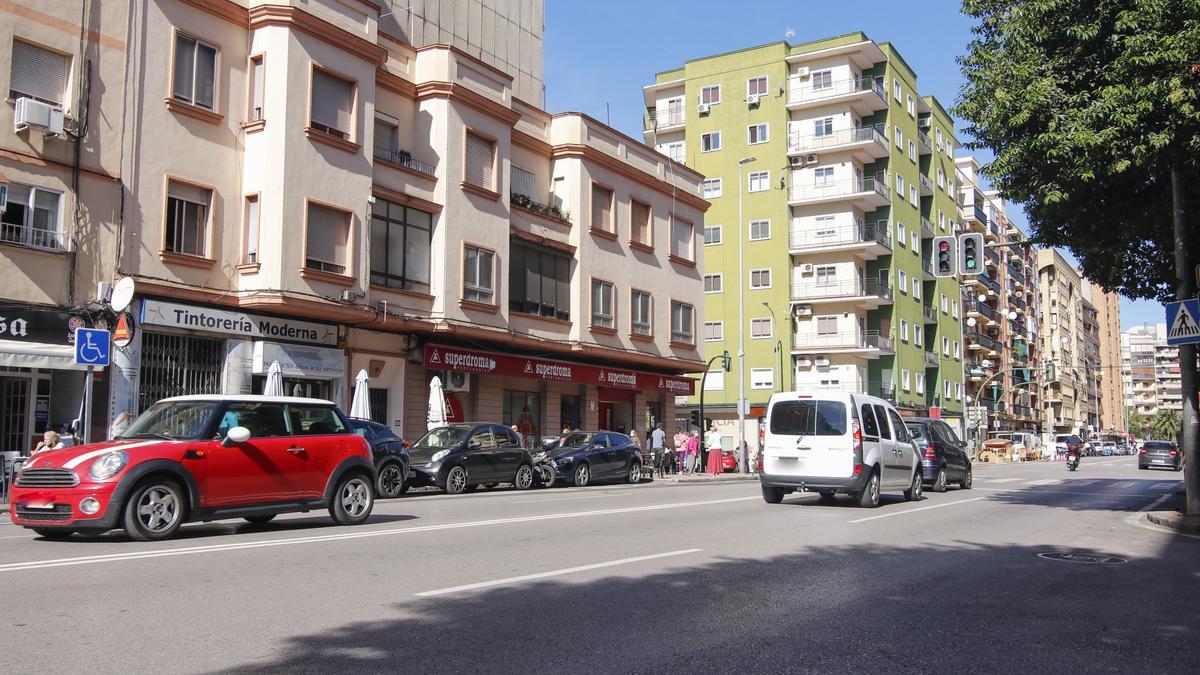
(39, 73)
(480, 156)
(602, 199)
(332, 100)
(327, 235)
(525, 183)
(189, 193)
(681, 239)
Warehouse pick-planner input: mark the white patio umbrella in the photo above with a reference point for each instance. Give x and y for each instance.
(360, 405)
(437, 404)
(274, 384)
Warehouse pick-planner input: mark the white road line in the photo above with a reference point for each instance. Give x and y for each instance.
(1164, 486)
(1044, 481)
(220, 548)
(560, 499)
(553, 573)
(923, 508)
(1124, 484)
(999, 480)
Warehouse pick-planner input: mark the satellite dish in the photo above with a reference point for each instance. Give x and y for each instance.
(122, 294)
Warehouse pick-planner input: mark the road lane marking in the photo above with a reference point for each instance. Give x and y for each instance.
(561, 499)
(553, 573)
(923, 508)
(1131, 495)
(1000, 480)
(219, 548)
(1124, 484)
(1044, 481)
(1164, 486)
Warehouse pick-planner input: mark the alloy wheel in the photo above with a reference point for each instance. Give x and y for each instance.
(524, 478)
(390, 481)
(356, 497)
(456, 480)
(158, 509)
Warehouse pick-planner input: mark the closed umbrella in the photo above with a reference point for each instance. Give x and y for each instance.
(437, 404)
(274, 383)
(360, 406)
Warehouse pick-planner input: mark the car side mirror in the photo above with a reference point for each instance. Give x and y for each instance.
(236, 435)
(361, 432)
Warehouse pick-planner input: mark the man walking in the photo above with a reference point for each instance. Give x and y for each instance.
(657, 438)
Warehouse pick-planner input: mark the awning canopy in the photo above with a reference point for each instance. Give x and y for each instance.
(16, 354)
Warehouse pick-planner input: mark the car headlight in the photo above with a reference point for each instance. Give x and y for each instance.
(108, 465)
(439, 455)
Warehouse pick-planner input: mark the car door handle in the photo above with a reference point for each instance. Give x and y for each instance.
(297, 451)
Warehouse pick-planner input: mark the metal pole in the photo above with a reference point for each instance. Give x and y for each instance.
(741, 285)
(87, 407)
(1190, 431)
(778, 345)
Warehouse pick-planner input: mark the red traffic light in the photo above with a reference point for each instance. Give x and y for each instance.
(944, 246)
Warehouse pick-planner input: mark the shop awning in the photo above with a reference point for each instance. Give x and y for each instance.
(17, 354)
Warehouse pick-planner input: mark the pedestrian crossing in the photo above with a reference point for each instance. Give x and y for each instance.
(1095, 483)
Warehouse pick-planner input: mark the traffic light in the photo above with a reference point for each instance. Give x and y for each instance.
(970, 245)
(695, 418)
(944, 249)
(726, 362)
(1049, 371)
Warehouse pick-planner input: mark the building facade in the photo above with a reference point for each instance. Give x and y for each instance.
(1108, 325)
(831, 174)
(1150, 372)
(288, 183)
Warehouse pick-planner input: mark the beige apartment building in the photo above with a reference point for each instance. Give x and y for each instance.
(286, 182)
(1150, 371)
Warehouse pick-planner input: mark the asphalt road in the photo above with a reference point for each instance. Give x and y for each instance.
(647, 578)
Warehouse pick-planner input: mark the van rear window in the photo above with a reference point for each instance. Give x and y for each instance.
(809, 418)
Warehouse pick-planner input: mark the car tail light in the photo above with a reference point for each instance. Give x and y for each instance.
(858, 437)
(1142, 452)
(760, 462)
(1174, 452)
(930, 453)
(857, 469)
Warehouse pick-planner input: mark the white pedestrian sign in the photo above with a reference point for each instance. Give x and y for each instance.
(1182, 326)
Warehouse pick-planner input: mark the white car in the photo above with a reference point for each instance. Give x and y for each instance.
(836, 442)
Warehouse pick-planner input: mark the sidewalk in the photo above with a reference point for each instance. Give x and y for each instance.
(706, 478)
(1170, 514)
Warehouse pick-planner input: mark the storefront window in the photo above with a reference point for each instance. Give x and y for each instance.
(524, 410)
(653, 414)
(177, 364)
(570, 411)
(379, 405)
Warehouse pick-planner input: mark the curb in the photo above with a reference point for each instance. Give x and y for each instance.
(1175, 521)
(708, 479)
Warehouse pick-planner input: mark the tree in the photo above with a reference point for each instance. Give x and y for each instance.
(1140, 425)
(1166, 425)
(1087, 106)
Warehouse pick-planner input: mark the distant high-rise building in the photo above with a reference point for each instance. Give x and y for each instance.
(1150, 371)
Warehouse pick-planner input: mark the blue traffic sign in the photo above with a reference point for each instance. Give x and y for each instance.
(92, 347)
(1182, 326)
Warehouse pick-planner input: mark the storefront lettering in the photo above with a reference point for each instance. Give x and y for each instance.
(16, 328)
(185, 318)
(459, 361)
(161, 313)
(553, 371)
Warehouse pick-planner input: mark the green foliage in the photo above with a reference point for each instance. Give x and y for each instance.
(1140, 425)
(1086, 104)
(1166, 425)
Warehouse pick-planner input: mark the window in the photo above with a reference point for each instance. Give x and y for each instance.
(896, 89)
(823, 175)
(958, 391)
(881, 415)
(640, 319)
(823, 127)
(759, 181)
(901, 234)
(825, 226)
(521, 181)
(945, 346)
(948, 390)
(400, 246)
(912, 195)
(957, 349)
(257, 73)
(477, 275)
(714, 331)
(682, 239)
(941, 220)
(761, 328)
(899, 138)
(641, 223)
(712, 235)
(903, 282)
(762, 378)
(756, 86)
(308, 420)
(916, 293)
(900, 185)
(937, 133)
(682, 322)
(911, 106)
(675, 151)
(32, 218)
(250, 218)
(187, 218)
(602, 209)
(712, 188)
(264, 420)
(711, 94)
(195, 71)
(38, 73)
(760, 229)
(905, 382)
(480, 167)
(916, 241)
(941, 178)
(912, 151)
(539, 282)
(757, 133)
(920, 383)
(904, 330)
(710, 141)
(713, 283)
(826, 274)
(954, 309)
(944, 303)
(918, 336)
(328, 236)
(602, 304)
(760, 279)
(822, 79)
(827, 325)
(333, 107)
(715, 380)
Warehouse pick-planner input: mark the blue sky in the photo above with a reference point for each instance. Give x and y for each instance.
(600, 54)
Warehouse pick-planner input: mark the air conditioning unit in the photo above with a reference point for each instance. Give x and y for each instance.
(812, 159)
(702, 108)
(925, 122)
(803, 310)
(457, 381)
(347, 295)
(806, 268)
(802, 72)
(822, 361)
(804, 362)
(796, 161)
(752, 99)
(43, 117)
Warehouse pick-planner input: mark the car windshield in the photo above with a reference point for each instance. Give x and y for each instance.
(174, 420)
(576, 440)
(1158, 445)
(808, 418)
(443, 437)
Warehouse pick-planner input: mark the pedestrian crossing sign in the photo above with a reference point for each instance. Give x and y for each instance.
(1182, 327)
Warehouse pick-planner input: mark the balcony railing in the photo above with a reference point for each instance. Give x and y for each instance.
(669, 116)
(979, 308)
(926, 185)
(988, 282)
(931, 359)
(813, 143)
(803, 91)
(979, 213)
(405, 159)
(926, 227)
(843, 340)
(547, 210)
(929, 313)
(886, 392)
(33, 237)
(983, 341)
(991, 256)
(841, 289)
(923, 140)
(819, 237)
(838, 188)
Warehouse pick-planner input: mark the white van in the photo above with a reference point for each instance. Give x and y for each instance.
(837, 442)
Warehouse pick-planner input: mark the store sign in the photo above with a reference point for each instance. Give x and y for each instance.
(175, 315)
(440, 357)
(319, 363)
(33, 325)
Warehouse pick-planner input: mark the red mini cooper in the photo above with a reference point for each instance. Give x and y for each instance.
(201, 458)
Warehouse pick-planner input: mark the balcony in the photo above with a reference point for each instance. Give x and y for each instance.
(931, 359)
(46, 239)
(974, 217)
(930, 314)
(976, 371)
(927, 269)
(867, 194)
(926, 185)
(670, 118)
(927, 228)
(867, 143)
(991, 257)
(885, 392)
(866, 240)
(404, 159)
(992, 286)
(980, 342)
(981, 311)
(866, 343)
(868, 294)
(923, 142)
(863, 94)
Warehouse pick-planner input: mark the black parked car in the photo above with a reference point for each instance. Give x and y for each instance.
(461, 457)
(391, 457)
(586, 456)
(944, 457)
(1160, 455)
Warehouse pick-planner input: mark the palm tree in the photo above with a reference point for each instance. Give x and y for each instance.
(1166, 425)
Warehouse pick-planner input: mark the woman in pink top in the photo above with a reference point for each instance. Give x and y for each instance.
(693, 446)
(681, 441)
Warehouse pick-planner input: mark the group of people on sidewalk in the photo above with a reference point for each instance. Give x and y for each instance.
(681, 453)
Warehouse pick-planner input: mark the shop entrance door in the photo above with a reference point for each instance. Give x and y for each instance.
(14, 415)
(606, 416)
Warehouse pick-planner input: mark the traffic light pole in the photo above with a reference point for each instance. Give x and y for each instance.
(703, 431)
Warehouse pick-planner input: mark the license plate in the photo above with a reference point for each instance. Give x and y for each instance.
(1158, 461)
(39, 507)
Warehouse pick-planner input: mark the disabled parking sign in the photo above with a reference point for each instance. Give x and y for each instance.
(92, 347)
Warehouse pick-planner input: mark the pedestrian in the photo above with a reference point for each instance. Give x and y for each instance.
(715, 465)
(752, 459)
(680, 444)
(658, 439)
(693, 452)
(50, 441)
(637, 440)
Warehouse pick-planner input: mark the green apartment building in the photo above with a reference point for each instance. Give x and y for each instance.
(851, 178)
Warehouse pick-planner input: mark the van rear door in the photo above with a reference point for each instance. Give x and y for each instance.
(870, 432)
(809, 438)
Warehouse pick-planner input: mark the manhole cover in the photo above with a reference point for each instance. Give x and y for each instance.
(1084, 558)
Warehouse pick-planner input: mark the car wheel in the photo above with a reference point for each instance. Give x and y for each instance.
(1141, 467)
(868, 498)
(260, 520)
(456, 480)
(390, 483)
(352, 500)
(547, 475)
(772, 495)
(582, 475)
(939, 483)
(968, 480)
(524, 478)
(52, 533)
(635, 473)
(913, 493)
(154, 510)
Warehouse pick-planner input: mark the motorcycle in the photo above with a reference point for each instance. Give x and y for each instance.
(543, 471)
(1072, 460)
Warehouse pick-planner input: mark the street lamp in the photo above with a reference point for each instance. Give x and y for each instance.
(741, 403)
(778, 343)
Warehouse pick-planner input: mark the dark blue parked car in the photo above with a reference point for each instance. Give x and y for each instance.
(460, 457)
(391, 457)
(944, 457)
(586, 456)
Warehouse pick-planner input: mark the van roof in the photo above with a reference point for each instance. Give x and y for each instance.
(824, 395)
